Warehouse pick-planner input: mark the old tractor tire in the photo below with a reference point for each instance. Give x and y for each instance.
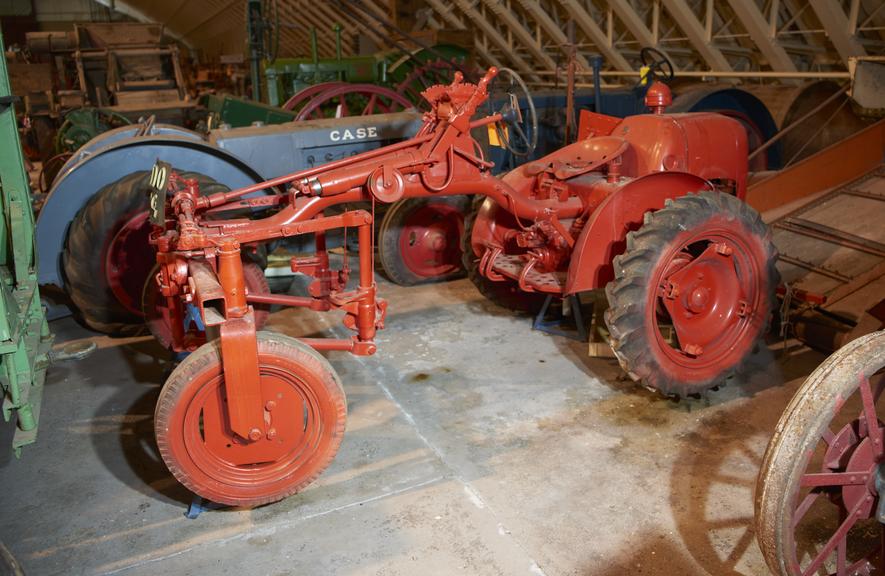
(505, 294)
(419, 240)
(308, 419)
(703, 269)
(107, 257)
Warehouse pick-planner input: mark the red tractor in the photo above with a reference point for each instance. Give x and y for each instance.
(649, 208)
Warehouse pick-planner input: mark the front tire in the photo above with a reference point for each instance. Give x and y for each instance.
(692, 294)
(308, 419)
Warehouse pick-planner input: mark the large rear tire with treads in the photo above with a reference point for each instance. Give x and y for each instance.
(693, 293)
(107, 257)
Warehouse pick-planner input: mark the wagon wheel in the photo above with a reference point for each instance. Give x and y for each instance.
(353, 100)
(819, 508)
(510, 97)
(305, 411)
(419, 239)
(304, 95)
(692, 294)
(158, 317)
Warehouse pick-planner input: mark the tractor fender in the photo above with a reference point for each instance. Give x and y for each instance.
(605, 234)
(115, 156)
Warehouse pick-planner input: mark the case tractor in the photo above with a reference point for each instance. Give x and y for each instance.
(648, 208)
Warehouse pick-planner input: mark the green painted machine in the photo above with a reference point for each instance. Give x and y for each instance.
(24, 334)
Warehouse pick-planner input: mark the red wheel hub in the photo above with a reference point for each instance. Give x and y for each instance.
(430, 241)
(708, 292)
(129, 258)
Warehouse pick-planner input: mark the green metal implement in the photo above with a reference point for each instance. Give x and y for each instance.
(24, 334)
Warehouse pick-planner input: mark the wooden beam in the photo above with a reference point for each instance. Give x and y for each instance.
(754, 22)
(684, 16)
(835, 22)
(503, 13)
(553, 30)
(476, 18)
(633, 22)
(596, 34)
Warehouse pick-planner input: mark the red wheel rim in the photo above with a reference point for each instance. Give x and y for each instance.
(129, 259)
(839, 493)
(305, 94)
(305, 425)
(708, 292)
(380, 100)
(430, 241)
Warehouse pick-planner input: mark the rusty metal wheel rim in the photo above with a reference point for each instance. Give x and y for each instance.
(430, 240)
(128, 261)
(850, 478)
(713, 317)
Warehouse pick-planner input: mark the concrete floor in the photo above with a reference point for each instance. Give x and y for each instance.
(473, 446)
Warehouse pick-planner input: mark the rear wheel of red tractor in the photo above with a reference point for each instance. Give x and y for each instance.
(157, 316)
(692, 294)
(107, 256)
(304, 404)
(419, 239)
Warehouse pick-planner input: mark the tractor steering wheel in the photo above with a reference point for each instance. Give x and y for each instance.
(659, 66)
(519, 133)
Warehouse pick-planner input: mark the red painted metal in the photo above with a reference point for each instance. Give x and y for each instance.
(551, 226)
(305, 95)
(707, 291)
(429, 241)
(377, 100)
(128, 261)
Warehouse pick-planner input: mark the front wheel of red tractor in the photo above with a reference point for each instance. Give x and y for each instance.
(692, 294)
(305, 409)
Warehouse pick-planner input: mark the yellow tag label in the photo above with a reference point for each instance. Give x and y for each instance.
(643, 74)
(493, 135)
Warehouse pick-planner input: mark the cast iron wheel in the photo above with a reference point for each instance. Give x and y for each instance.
(419, 239)
(703, 270)
(107, 256)
(818, 492)
(156, 313)
(308, 413)
(506, 293)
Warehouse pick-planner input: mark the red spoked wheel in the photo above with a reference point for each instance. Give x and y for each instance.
(419, 239)
(819, 505)
(692, 294)
(158, 317)
(305, 412)
(353, 100)
(304, 95)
